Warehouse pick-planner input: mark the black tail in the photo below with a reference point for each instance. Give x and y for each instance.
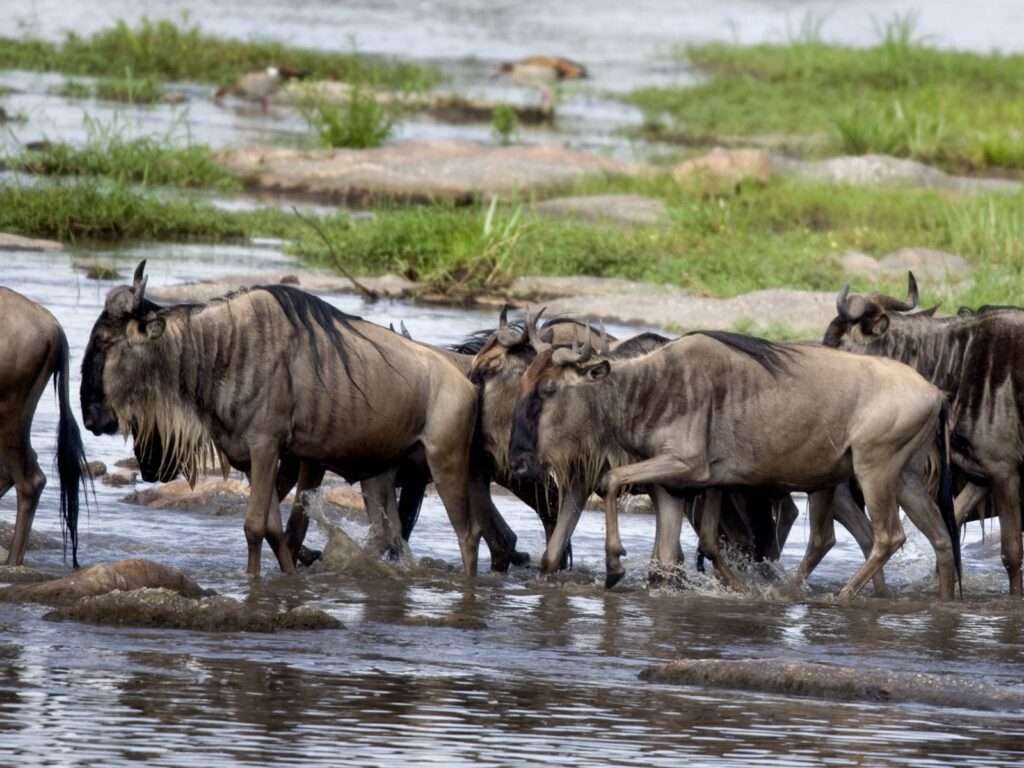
(946, 492)
(71, 462)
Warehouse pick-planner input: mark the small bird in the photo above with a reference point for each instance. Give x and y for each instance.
(259, 85)
(543, 72)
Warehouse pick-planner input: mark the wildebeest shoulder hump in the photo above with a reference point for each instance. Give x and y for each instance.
(773, 357)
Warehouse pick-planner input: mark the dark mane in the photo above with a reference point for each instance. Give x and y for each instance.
(769, 355)
(638, 345)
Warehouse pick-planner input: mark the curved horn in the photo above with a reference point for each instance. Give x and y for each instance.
(503, 318)
(604, 338)
(536, 341)
(404, 330)
(902, 306)
(139, 286)
(576, 340)
(588, 346)
(850, 311)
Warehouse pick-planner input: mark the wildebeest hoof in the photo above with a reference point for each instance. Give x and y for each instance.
(520, 559)
(308, 556)
(612, 578)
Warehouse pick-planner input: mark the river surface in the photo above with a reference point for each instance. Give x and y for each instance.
(550, 679)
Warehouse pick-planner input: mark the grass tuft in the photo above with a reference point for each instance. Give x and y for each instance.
(128, 89)
(360, 123)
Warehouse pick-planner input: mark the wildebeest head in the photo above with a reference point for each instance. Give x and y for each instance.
(863, 321)
(126, 323)
(551, 417)
(498, 366)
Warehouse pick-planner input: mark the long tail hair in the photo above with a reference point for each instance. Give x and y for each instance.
(72, 466)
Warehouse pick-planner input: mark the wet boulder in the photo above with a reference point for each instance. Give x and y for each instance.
(169, 609)
(103, 578)
(213, 495)
(12, 242)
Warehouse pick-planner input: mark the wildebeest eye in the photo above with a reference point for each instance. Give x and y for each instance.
(547, 388)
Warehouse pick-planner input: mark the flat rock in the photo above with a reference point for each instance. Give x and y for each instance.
(388, 285)
(627, 210)
(166, 608)
(926, 263)
(624, 301)
(834, 682)
(12, 242)
(729, 166)
(102, 578)
(416, 171)
(885, 171)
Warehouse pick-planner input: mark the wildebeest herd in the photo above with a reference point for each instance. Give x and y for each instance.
(896, 409)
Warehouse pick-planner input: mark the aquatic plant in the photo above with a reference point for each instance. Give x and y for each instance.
(361, 122)
(505, 124)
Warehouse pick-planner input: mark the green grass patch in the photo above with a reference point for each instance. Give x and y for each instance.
(88, 211)
(960, 110)
(164, 50)
(140, 161)
(361, 122)
(772, 236)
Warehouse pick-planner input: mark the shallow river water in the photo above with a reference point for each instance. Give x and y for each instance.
(552, 677)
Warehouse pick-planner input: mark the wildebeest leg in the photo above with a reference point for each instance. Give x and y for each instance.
(450, 471)
(855, 520)
(500, 538)
(311, 475)
(822, 534)
(878, 485)
(1006, 492)
(668, 525)
(923, 512)
(28, 481)
(262, 476)
(660, 469)
(570, 507)
(276, 538)
(967, 500)
(709, 519)
(382, 509)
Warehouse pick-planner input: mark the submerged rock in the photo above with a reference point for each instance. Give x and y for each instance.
(834, 682)
(102, 578)
(149, 607)
(416, 171)
(36, 539)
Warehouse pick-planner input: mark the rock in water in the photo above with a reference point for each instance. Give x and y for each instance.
(168, 609)
(834, 682)
(102, 578)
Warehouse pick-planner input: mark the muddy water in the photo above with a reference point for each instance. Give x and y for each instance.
(549, 675)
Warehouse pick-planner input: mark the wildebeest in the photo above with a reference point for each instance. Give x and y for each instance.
(272, 372)
(977, 359)
(33, 348)
(501, 360)
(721, 409)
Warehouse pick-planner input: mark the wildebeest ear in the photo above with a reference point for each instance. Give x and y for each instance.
(878, 325)
(598, 371)
(155, 328)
